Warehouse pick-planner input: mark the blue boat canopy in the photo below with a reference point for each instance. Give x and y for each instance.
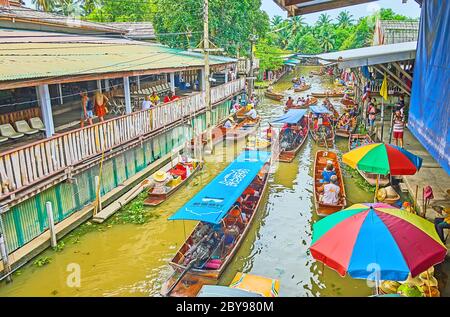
(214, 201)
(319, 109)
(293, 116)
(224, 291)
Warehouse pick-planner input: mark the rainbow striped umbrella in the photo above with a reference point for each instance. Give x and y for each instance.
(383, 159)
(364, 237)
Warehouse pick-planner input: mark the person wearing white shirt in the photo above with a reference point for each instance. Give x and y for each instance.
(331, 192)
(252, 114)
(146, 104)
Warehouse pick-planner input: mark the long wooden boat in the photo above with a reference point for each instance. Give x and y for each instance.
(181, 173)
(317, 73)
(320, 163)
(348, 102)
(329, 142)
(300, 131)
(357, 140)
(303, 88)
(273, 95)
(312, 101)
(242, 129)
(330, 94)
(210, 247)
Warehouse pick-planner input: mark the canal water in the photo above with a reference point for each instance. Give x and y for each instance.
(132, 259)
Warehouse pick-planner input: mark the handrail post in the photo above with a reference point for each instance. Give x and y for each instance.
(51, 224)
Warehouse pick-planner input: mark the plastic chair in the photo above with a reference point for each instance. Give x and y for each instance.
(23, 127)
(3, 139)
(36, 123)
(8, 131)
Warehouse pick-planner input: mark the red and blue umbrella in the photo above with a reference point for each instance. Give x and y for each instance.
(357, 239)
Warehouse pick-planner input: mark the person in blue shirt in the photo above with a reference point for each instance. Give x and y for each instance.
(328, 172)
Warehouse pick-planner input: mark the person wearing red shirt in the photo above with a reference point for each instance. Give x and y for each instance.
(170, 97)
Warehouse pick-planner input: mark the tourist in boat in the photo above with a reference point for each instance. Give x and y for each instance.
(398, 129)
(302, 81)
(100, 102)
(328, 172)
(146, 104)
(344, 122)
(252, 114)
(301, 101)
(154, 98)
(331, 192)
(289, 102)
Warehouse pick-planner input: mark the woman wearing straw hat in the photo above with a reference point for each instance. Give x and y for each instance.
(160, 179)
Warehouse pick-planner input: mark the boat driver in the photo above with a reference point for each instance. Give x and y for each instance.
(252, 114)
(331, 191)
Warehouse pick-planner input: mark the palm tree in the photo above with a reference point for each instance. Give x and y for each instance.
(345, 19)
(296, 24)
(326, 39)
(67, 7)
(45, 5)
(276, 21)
(284, 35)
(324, 20)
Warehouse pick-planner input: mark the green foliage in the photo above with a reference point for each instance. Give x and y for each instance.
(118, 11)
(308, 44)
(389, 14)
(270, 56)
(231, 23)
(59, 246)
(42, 261)
(134, 212)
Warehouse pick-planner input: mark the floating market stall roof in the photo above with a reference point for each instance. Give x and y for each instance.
(292, 116)
(31, 58)
(213, 202)
(319, 109)
(372, 55)
(224, 291)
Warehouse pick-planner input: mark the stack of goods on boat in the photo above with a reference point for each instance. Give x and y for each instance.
(320, 126)
(329, 189)
(293, 133)
(167, 182)
(423, 285)
(225, 209)
(244, 285)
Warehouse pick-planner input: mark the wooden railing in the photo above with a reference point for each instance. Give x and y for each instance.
(231, 88)
(23, 167)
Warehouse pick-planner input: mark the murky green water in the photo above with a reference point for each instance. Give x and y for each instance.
(131, 260)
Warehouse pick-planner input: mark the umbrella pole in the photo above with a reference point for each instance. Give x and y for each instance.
(376, 188)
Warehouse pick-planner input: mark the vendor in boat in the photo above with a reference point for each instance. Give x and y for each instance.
(301, 101)
(344, 122)
(328, 172)
(229, 123)
(331, 192)
(252, 114)
(289, 102)
(160, 179)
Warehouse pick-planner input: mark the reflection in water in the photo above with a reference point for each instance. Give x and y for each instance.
(132, 260)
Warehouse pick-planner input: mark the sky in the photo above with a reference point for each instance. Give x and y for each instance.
(411, 9)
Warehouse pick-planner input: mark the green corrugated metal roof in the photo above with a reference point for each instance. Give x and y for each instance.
(19, 61)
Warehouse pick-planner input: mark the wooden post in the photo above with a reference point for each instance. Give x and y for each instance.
(51, 224)
(61, 99)
(126, 90)
(46, 108)
(172, 82)
(107, 88)
(138, 79)
(99, 195)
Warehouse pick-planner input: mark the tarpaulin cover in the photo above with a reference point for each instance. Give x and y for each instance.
(430, 100)
(293, 116)
(319, 109)
(213, 202)
(224, 291)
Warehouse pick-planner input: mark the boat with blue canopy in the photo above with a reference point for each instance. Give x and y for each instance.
(293, 133)
(225, 209)
(321, 126)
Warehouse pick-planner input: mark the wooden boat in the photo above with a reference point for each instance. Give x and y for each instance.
(243, 128)
(255, 143)
(300, 132)
(348, 102)
(208, 250)
(317, 73)
(344, 132)
(329, 142)
(357, 140)
(217, 136)
(244, 285)
(181, 173)
(273, 95)
(320, 163)
(312, 101)
(334, 94)
(303, 88)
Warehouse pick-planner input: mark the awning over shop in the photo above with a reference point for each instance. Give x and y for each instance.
(319, 109)
(371, 55)
(213, 202)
